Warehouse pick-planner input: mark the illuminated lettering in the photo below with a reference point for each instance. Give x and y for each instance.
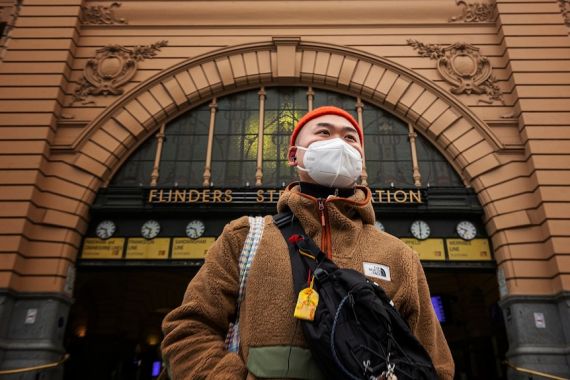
(217, 196)
(152, 196)
(271, 192)
(180, 196)
(415, 196)
(194, 196)
(260, 198)
(206, 196)
(228, 196)
(397, 196)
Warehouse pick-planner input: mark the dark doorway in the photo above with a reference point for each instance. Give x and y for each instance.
(466, 302)
(114, 325)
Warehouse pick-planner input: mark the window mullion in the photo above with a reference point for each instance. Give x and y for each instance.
(208, 165)
(415, 165)
(359, 111)
(155, 170)
(259, 171)
(310, 98)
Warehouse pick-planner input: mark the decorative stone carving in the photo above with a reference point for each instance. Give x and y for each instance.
(9, 11)
(111, 68)
(463, 67)
(475, 12)
(565, 9)
(100, 15)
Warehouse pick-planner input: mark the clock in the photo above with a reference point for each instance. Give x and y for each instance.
(195, 229)
(150, 229)
(420, 229)
(380, 226)
(105, 229)
(466, 230)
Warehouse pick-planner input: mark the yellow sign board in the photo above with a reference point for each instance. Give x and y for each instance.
(472, 250)
(143, 249)
(429, 249)
(95, 248)
(186, 248)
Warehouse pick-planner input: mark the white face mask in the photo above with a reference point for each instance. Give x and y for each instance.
(332, 163)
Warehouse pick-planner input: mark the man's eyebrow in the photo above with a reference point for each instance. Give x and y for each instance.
(344, 128)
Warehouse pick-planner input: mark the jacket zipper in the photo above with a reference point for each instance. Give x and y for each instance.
(326, 244)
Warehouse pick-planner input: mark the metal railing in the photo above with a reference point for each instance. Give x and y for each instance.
(35, 368)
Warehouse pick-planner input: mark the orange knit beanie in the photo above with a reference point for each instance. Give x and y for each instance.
(321, 111)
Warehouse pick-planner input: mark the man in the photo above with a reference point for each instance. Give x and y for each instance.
(326, 147)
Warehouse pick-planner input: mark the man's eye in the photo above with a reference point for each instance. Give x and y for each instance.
(350, 137)
(324, 131)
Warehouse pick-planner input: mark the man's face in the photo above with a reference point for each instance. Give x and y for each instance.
(322, 128)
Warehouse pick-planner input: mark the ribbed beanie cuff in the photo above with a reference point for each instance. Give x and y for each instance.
(321, 111)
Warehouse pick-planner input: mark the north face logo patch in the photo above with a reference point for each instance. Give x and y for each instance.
(377, 270)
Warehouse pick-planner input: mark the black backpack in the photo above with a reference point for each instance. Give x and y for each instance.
(356, 332)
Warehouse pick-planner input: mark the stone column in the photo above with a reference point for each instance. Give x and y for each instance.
(534, 242)
(39, 238)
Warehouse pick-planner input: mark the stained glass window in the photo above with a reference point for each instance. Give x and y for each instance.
(184, 149)
(234, 152)
(137, 170)
(387, 149)
(284, 106)
(434, 168)
(235, 144)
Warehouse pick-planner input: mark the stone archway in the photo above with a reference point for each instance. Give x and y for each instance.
(466, 141)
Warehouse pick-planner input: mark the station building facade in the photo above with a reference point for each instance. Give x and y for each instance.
(131, 132)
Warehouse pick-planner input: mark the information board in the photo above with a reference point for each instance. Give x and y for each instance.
(143, 249)
(191, 249)
(429, 249)
(98, 249)
(472, 250)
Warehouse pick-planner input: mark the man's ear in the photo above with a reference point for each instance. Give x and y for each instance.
(292, 156)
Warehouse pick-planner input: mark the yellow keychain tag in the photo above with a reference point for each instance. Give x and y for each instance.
(307, 303)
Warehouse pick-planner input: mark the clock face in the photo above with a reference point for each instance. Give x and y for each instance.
(380, 226)
(150, 229)
(420, 230)
(466, 230)
(195, 229)
(105, 229)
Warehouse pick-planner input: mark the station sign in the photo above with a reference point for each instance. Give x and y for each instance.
(429, 249)
(472, 250)
(143, 249)
(97, 249)
(212, 196)
(191, 249)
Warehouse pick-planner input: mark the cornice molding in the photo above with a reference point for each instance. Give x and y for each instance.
(284, 13)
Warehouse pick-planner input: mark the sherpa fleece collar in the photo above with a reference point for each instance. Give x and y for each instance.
(342, 211)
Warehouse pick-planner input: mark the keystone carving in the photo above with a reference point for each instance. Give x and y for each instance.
(111, 68)
(565, 9)
(464, 68)
(475, 12)
(100, 15)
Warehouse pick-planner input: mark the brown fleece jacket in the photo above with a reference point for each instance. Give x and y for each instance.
(193, 346)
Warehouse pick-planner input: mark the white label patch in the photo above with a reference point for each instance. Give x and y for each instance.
(377, 270)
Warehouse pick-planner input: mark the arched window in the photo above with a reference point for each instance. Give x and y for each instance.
(218, 143)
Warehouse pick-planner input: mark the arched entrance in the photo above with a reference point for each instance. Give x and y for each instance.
(463, 145)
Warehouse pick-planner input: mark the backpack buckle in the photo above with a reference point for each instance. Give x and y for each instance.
(320, 274)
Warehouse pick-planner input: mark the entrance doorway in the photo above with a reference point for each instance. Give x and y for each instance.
(466, 302)
(114, 329)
